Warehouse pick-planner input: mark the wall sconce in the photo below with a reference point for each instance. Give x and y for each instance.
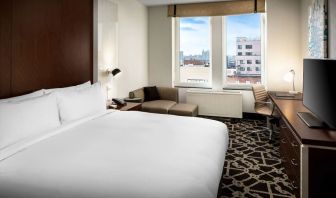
(290, 77)
(113, 72)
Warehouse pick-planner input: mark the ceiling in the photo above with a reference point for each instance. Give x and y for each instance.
(167, 2)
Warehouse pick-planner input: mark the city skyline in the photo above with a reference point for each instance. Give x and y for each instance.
(194, 28)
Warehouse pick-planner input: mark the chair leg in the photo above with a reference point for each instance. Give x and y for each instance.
(270, 126)
(271, 132)
(268, 121)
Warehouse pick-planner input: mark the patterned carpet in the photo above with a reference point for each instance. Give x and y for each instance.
(252, 166)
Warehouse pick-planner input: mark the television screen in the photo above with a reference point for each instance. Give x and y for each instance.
(319, 89)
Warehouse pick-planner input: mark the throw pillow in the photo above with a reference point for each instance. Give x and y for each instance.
(151, 93)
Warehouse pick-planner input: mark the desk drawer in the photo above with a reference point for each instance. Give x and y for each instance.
(290, 156)
(292, 142)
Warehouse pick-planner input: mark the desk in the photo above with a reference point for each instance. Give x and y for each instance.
(308, 155)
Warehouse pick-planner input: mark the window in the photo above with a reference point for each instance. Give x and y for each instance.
(243, 30)
(193, 51)
(239, 47)
(248, 47)
(240, 53)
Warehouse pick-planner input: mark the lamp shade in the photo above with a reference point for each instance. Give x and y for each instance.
(289, 77)
(115, 71)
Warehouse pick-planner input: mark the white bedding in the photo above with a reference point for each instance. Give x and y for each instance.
(118, 155)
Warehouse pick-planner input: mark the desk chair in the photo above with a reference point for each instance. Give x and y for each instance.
(265, 107)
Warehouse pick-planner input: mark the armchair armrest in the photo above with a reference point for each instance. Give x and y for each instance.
(167, 93)
(264, 102)
(139, 93)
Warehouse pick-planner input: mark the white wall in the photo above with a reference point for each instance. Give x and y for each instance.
(332, 28)
(217, 53)
(283, 43)
(283, 48)
(160, 47)
(132, 48)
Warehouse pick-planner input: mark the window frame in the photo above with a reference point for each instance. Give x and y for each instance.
(176, 57)
(262, 67)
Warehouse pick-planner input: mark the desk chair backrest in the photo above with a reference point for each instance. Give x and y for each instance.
(261, 104)
(264, 107)
(259, 93)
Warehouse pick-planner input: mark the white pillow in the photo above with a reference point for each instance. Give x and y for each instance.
(78, 104)
(24, 97)
(71, 88)
(19, 120)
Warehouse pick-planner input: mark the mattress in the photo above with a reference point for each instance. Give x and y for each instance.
(121, 155)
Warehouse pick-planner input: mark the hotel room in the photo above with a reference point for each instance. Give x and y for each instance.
(167, 98)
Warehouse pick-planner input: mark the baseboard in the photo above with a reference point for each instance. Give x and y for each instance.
(254, 116)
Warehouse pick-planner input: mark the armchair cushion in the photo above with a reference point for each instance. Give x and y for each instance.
(158, 106)
(151, 93)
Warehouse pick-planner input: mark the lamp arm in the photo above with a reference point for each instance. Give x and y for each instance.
(293, 72)
(293, 85)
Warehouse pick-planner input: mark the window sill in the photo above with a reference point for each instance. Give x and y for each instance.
(192, 85)
(238, 87)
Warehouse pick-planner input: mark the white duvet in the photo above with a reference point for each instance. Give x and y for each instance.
(118, 155)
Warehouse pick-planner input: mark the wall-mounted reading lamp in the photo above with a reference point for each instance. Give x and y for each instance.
(113, 72)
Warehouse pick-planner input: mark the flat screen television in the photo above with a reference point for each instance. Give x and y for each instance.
(319, 93)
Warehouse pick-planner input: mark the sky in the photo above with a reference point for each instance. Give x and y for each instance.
(195, 32)
(194, 35)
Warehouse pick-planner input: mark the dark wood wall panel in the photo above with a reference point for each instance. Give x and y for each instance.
(5, 48)
(35, 46)
(77, 51)
(51, 44)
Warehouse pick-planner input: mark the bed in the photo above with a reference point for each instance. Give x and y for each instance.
(117, 154)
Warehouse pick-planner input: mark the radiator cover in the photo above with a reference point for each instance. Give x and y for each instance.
(217, 103)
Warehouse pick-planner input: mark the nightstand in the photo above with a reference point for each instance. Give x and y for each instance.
(130, 106)
(136, 100)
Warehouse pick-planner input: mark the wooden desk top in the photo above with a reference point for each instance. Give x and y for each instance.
(310, 136)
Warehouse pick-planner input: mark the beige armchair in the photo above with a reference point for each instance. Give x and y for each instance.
(168, 99)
